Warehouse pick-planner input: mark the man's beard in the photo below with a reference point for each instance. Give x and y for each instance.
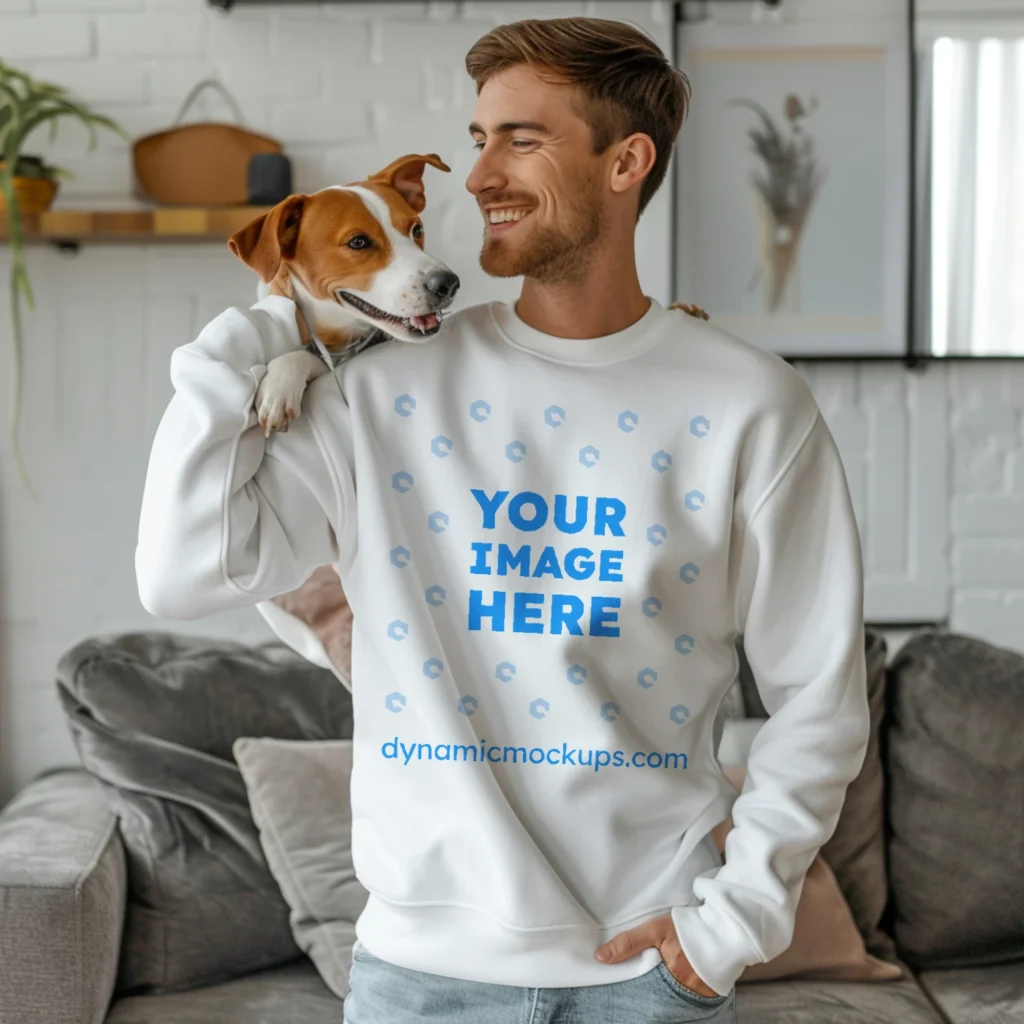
(553, 254)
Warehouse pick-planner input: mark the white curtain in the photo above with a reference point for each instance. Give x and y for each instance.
(976, 196)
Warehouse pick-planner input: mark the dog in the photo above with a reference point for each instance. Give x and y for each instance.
(351, 257)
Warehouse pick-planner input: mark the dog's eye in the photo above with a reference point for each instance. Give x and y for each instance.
(359, 242)
(417, 231)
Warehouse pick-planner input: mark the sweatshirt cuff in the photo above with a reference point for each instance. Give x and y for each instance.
(715, 944)
(279, 333)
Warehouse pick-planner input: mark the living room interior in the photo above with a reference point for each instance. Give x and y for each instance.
(172, 845)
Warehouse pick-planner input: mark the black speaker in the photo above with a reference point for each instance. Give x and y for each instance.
(269, 179)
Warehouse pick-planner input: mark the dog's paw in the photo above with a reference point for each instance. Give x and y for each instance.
(692, 310)
(279, 396)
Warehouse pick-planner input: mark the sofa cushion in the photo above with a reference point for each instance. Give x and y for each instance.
(978, 995)
(956, 789)
(154, 716)
(62, 898)
(299, 796)
(283, 995)
(834, 1002)
(856, 851)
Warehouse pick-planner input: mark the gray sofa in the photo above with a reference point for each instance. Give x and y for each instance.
(124, 881)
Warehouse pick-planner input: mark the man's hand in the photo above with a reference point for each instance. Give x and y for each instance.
(660, 933)
(692, 310)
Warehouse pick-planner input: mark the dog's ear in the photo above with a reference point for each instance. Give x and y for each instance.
(263, 243)
(405, 176)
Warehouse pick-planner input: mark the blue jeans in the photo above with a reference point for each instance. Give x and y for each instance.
(385, 994)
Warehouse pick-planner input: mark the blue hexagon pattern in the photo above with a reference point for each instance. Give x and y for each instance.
(539, 708)
(404, 405)
(467, 705)
(656, 534)
(628, 421)
(679, 714)
(505, 671)
(685, 644)
(441, 446)
(693, 500)
(438, 521)
(589, 456)
(576, 674)
(661, 460)
(436, 595)
(609, 711)
(651, 607)
(480, 410)
(398, 630)
(395, 702)
(402, 481)
(400, 556)
(433, 667)
(688, 573)
(646, 678)
(699, 426)
(554, 415)
(515, 451)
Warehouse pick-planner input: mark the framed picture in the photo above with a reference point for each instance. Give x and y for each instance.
(793, 183)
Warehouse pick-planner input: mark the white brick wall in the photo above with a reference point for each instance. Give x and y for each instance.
(48, 35)
(935, 460)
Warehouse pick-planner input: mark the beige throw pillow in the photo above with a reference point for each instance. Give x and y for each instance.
(299, 797)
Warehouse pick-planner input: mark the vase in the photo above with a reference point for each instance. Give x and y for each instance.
(35, 191)
(34, 195)
(779, 257)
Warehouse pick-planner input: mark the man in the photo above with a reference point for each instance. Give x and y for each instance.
(600, 497)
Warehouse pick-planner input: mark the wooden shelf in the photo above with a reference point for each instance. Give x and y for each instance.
(170, 224)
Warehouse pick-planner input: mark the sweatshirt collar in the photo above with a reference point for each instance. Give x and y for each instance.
(611, 348)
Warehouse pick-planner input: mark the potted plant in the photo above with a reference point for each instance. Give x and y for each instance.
(28, 185)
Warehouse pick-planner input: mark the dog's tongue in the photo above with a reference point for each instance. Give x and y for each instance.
(424, 323)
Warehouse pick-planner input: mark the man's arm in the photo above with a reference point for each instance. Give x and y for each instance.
(801, 612)
(229, 517)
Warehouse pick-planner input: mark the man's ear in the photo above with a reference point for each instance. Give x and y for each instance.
(405, 176)
(263, 243)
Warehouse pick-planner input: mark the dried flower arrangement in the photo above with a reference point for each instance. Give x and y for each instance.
(784, 191)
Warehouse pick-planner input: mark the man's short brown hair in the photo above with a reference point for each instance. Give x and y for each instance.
(628, 85)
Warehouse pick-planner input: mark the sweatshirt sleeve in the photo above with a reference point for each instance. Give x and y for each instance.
(799, 607)
(229, 517)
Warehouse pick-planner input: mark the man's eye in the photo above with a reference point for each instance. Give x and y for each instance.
(478, 145)
(417, 231)
(359, 242)
(522, 143)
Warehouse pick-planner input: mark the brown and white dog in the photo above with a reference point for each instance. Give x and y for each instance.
(351, 257)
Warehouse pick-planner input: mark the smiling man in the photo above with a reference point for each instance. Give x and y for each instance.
(553, 523)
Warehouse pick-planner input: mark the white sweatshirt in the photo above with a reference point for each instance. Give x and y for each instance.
(550, 547)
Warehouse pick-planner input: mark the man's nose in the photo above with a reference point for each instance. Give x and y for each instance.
(485, 174)
(442, 284)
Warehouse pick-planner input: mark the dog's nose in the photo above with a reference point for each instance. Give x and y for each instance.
(442, 284)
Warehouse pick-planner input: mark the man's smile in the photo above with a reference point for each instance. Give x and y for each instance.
(500, 219)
